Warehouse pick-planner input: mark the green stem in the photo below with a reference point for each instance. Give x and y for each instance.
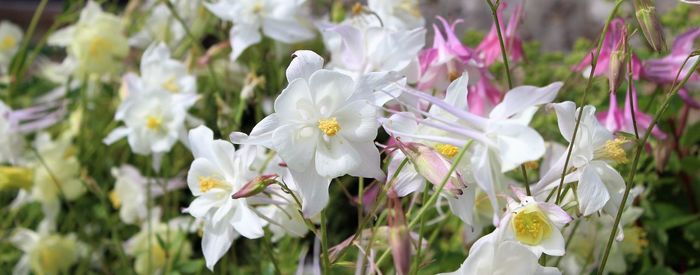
(594, 62)
(640, 147)
(271, 254)
(18, 61)
(416, 262)
(324, 245)
(504, 56)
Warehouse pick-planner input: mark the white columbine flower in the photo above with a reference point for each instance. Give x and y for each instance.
(161, 25)
(537, 225)
(44, 252)
(173, 234)
(600, 186)
(95, 44)
(10, 36)
(277, 19)
(58, 168)
(155, 107)
(490, 255)
(323, 127)
(217, 172)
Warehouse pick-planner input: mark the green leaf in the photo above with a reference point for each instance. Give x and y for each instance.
(691, 135)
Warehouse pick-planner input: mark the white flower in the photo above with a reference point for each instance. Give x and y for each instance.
(58, 168)
(537, 225)
(323, 127)
(489, 255)
(155, 108)
(397, 14)
(130, 190)
(44, 252)
(173, 234)
(600, 186)
(11, 142)
(277, 19)
(162, 26)
(10, 37)
(95, 44)
(218, 172)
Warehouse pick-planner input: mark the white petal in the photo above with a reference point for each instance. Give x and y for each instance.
(295, 102)
(520, 98)
(370, 165)
(62, 37)
(592, 194)
(296, 146)
(358, 121)
(517, 144)
(246, 222)
(242, 37)
(313, 190)
(261, 133)
(463, 205)
(554, 244)
(330, 90)
(336, 157)
(566, 118)
(116, 134)
(287, 31)
(216, 242)
(303, 65)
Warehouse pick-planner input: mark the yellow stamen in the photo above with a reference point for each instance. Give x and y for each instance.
(447, 150)
(612, 150)
(7, 43)
(329, 126)
(153, 122)
(532, 165)
(171, 85)
(257, 8)
(97, 46)
(357, 8)
(114, 198)
(207, 183)
(452, 75)
(531, 225)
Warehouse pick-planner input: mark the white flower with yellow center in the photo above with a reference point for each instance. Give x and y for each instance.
(173, 234)
(537, 225)
(217, 172)
(280, 20)
(44, 252)
(57, 168)
(324, 126)
(490, 255)
(10, 37)
(600, 186)
(160, 72)
(96, 43)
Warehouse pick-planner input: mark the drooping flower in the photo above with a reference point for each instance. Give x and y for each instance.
(490, 255)
(489, 50)
(217, 172)
(44, 252)
(279, 20)
(502, 141)
(600, 186)
(616, 120)
(129, 193)
(664, 70)
(537, 225)
(172, 234)
(162, 26)
(323, 127)
(10, 37)
(612, 40)
(95, 44)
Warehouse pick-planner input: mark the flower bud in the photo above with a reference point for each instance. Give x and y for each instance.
(432, 165)
(255, 186)
(649, 23)
(616, 69)
(337, 12)
(15, 177)
(399, 239)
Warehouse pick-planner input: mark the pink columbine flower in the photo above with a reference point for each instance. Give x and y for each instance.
(620, 120)
(664, 70)
(490, 48)
(612, 40)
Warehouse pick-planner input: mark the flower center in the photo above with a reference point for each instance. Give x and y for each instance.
(97, 46)
(329, 126)
(171, 85)
(531, 226)
(447, 150)
(207, 183)
(7, 43)
(153, 122)
(612, 150)
(114, 198)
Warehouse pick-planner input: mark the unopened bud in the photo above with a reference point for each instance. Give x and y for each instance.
(337, 12)
(616, 69)
(432, 165)
(255, 186)
(399, 239)
(649, 23)
(12, 177)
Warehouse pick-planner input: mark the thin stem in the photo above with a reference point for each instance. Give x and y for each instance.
(504, 56)
(640, 147)
(271, 254)
(18, 62)
(416, 262)
(360, 197)
(324, 245)
(594, 62)
(630, 84)
(568, 240)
